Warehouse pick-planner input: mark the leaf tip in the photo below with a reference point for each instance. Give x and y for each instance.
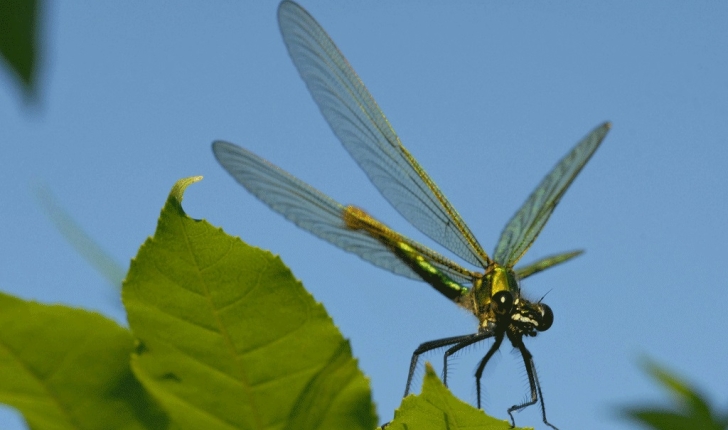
(180, 186)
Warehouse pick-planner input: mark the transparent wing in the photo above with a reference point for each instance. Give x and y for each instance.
(365, 132)
(312, 210)
(545, 263)
(527, 223)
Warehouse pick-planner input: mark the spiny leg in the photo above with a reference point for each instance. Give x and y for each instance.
(484, 361)
(467, 342)
(429, 346)
(423, 348)
(540, 396)
(533, 382)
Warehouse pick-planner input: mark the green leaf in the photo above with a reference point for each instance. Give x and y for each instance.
(66, 368)
(690, 409)
(437, 409)
(228, 339)
(18, 38)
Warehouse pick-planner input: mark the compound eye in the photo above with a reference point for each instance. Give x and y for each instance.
(502, 302)
(546, 318)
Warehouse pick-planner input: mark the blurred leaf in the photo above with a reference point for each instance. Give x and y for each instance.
(80, 240)
(690, 409)
(18, 39)
(229, 339)
(437, 409)
(66, 368)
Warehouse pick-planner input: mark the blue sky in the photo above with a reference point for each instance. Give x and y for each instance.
(487, 96)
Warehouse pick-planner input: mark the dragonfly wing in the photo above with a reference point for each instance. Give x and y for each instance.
(314, 211)
(545, 263)
(365, 132)
(526, 224)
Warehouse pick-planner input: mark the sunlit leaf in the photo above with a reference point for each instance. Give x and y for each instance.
(229, 339)
(437, 409)
(66, 368)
